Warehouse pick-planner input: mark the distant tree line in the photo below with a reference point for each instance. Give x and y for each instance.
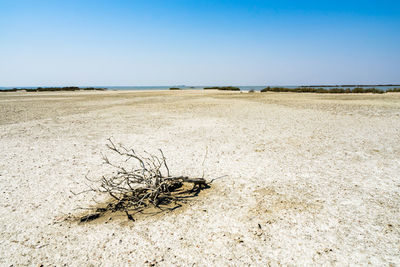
(352, 85)
(53, 89)
(356, 90)
(223, 88)
(394, 90)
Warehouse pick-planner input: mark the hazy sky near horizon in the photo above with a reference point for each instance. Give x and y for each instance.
(202, 42)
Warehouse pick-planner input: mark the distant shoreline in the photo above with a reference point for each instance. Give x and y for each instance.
(379, 88)
(53, 89)
(353, 85)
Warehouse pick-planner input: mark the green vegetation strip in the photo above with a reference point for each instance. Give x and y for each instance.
(53, 89)
(356, 90)
(223, 88)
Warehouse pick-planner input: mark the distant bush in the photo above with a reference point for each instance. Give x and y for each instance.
(53, 89)
(394, 90)
(92, 88)
(9, 90)
(174, 88)
(251, 91)
(356, 90)
(223, 88)
(275, 89)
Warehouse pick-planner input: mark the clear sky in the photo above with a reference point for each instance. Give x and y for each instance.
(198, 42)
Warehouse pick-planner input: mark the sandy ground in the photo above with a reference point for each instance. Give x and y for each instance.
(311, 179)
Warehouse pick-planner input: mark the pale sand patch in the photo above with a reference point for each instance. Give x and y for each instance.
(311, 179)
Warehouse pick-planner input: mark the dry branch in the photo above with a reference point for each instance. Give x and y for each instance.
(147, 183)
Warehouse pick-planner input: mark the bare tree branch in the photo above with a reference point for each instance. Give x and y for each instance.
(148, 183)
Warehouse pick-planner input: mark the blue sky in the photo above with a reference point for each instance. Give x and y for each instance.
(168, 42)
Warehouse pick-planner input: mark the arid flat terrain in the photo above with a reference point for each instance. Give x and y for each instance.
(309, 179)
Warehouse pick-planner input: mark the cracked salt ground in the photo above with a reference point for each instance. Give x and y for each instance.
(311, 179)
